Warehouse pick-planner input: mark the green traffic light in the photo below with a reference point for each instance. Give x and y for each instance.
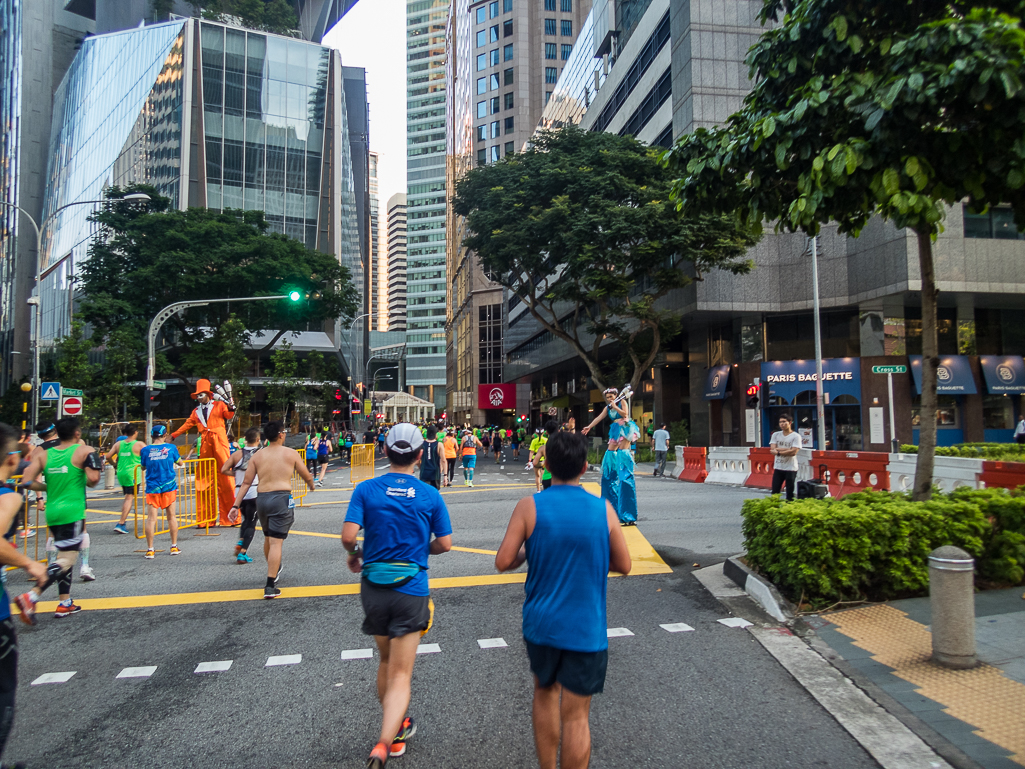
(295, 296)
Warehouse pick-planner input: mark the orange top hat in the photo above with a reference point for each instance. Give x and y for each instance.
(202, 386)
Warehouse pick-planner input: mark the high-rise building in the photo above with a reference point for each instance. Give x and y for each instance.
(504, 58)
(397, 262)
(425, 177)
(374, 297)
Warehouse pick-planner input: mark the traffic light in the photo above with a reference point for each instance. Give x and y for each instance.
(752, 396)
(295, 296)
(338, 394)
(521, 419)
(151, 400)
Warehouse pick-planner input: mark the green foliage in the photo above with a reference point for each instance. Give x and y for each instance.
(285, 389)
(222, 356)
(581, 229)
(997, 452)
(73, 367)
(11, 405)
(270, 15)
(110, 396)
(679, 434)
(874, 545)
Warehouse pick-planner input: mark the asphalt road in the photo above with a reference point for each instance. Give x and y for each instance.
(710, 697)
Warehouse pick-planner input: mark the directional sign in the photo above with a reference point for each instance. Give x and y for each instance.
(889, 369)
(69, 391)
(71, 405)
(51, 391)
(158, 385)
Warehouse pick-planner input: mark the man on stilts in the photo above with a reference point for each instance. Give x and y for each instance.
(210, 417)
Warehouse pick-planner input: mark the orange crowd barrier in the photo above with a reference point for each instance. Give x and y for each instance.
(196, 501)
(695, 466)
(761, 468)
(1002, 475)
(848, 472)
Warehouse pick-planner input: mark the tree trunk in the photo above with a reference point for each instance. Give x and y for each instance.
(930, 362)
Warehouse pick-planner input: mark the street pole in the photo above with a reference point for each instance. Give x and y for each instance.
(820, 408)
(173, 309)
(893, 423)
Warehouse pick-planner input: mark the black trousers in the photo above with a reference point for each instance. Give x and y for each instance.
(779, 477)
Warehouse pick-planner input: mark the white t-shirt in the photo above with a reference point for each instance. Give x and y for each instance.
(661, 440)
(792, 441)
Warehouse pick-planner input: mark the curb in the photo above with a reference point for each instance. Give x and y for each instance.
(762, 592)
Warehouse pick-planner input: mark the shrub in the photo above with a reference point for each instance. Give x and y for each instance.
(875, 545)
(997, 452)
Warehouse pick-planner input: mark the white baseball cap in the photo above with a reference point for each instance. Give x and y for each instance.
(404, 438)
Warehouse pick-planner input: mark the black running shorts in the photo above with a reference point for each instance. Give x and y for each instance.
(387, 612)
(68, 536)
(126, 490)
(582, 673)
(276, 511)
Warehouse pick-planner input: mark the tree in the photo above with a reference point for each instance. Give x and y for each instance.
(143, 260)
(111, 396)
(285, 389)
(222, 356)
(73, 367)
(897, 109)
(270, 15)
(580, 229)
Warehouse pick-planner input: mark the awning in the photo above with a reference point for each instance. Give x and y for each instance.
(953, 377)
(1004, 374)
(715, 382)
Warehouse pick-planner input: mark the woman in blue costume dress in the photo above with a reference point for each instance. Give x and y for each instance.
(617, 466)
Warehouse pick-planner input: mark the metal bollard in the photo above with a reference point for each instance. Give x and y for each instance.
(952, 598)
(109, 476)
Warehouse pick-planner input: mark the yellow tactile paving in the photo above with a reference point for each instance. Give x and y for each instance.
(983, 696)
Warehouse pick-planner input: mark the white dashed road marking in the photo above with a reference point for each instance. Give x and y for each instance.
(213, 667)
(428, 649)
(734, 622)
(143, 672)
(53, 678)
(677, 627)
(617, 632)
(284, 659)
(491, 643)
(358, 654)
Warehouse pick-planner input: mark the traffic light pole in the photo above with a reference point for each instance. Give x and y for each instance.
(820, 408)
(166, 314)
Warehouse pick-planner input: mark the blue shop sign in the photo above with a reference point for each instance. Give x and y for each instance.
(1004, 374)
(786, 378)
(953, 377)
(715, 382)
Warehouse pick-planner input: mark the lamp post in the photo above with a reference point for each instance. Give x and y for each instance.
(820, 409)
(133, 197)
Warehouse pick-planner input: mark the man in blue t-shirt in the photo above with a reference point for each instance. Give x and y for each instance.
(398, 514)
(570, 539)
(160, 461)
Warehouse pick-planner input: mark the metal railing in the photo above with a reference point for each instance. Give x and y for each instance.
(361, 465)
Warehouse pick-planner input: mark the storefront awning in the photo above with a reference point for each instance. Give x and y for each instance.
(953, 377)
(1004, 374)
(715, 382)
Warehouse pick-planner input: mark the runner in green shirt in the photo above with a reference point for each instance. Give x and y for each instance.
(537, 461)
(67, 468)
(128, 473)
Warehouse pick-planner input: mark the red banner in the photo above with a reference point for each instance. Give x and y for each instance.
(496, 396)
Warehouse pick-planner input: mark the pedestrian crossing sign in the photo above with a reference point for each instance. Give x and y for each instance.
(50, 391)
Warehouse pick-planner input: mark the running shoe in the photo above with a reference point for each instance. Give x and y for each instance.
(280, 569)
(27, 609)
(398, 745)
(378, 756)
(121, 529)
(87, 574)
(243, 558)
(175, 550)
(272, 592)
(30, 533)
(238, 547)
(64, 611)
(470, 484)
(150, 555)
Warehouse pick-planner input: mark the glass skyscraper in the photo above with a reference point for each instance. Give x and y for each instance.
(425, 175)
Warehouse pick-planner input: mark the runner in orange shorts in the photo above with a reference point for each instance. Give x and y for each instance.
(160, 461)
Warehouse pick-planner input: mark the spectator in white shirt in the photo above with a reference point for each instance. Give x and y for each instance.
(660, 440)
(784, 444)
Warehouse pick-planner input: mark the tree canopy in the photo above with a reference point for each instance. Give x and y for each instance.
(580, 228)
(898, 108)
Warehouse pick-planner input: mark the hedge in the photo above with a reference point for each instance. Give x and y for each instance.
(874, 545)
(997, 452)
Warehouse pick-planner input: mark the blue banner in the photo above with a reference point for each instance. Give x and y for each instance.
(716, 381)
(786, 378)
(953, 377)
(1004, 374)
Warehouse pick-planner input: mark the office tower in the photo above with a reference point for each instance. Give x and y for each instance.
(374, 297)
(425, 176)
(397, 262)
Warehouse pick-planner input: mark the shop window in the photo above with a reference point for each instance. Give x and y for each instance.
(946, 411)
(997, 412)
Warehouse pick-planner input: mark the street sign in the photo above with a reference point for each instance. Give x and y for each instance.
(51, 391)
(71, 405)
(889, 369)
(69, 391)
(158, 385)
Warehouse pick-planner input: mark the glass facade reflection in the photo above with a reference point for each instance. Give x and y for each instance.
(578, 83)
(10, 138)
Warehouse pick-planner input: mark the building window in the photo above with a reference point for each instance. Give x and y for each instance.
(494, 57)
(507, 28)
(482, 133)
(567, 6)
(480, 15)
(548, 96)
(482, 61)
(551, 51)
(482, 109)
(566, 28)
(494, 33)
(482, 38)
(509, 100)
(495, 153)
(494, 82)
(566, 51)
(506, 6)
(549, 5)
(509, 123)
(510, 148)
(508, 51)
(489, 326)
(493, 9)
(508, 79)
(996, 223)
(482, 85)
(551, 76)
(496, 129)
(482, 157)
(549, 26)
(495, 109)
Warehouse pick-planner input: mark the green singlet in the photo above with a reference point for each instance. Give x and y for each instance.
(65, 487)
(127, 463)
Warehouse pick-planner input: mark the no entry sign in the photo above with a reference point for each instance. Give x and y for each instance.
(71, 405)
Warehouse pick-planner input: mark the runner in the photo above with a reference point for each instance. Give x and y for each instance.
(160, 461)
(275, 507)
(126, 455)
(431, 459)
(469, 444)
(521, 436)
(323, 452)
(564, 612)
(398, 514)
(11, 504)
(312, 441)
(67, 468)
(496, 446)
(541, 458)
(451, 447)
(236, 465)
(539, 440)
(380, 441)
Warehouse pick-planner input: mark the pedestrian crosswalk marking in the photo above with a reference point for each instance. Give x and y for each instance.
(140, 672)
(677, 627)
(213, 667)
(428, 649)
(734, 622)
(358, 654)
(50, 394)
(284, 659)
(53, 678)
(617, 632)
(491, 643)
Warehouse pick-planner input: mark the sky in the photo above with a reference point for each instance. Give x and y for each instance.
(373, 36)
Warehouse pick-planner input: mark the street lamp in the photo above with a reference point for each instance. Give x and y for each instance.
(36, 301)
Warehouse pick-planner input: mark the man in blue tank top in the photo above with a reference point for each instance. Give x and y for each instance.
(569, 539)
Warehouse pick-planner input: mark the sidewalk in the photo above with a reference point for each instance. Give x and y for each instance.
(981, 711)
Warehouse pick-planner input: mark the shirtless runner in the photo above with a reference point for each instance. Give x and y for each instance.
(275, 507)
